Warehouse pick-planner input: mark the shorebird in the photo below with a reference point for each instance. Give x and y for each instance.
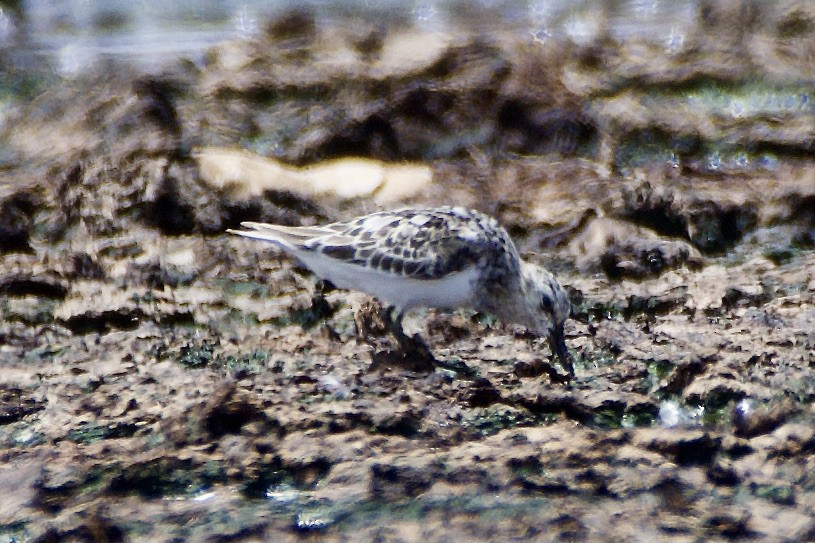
(443, 257)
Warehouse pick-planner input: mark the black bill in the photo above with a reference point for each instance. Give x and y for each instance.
(557, 342)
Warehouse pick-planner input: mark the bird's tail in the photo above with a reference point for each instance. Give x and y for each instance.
(288, 237)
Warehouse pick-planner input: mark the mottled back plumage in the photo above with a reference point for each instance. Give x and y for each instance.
(417, 243)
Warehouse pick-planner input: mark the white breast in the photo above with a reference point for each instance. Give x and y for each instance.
(453, 291)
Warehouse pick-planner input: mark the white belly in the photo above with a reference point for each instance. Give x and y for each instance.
(453, 291)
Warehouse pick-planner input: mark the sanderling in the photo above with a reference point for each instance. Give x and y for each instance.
(444, 257)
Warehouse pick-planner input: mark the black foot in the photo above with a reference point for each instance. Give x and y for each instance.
(538, 367)
(376, 324)
(413, 350)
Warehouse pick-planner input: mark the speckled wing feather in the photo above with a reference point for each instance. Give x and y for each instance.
(418, 243)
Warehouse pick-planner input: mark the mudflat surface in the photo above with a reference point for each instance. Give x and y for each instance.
(162, 381)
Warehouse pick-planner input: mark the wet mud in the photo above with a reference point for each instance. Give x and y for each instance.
(163, 381)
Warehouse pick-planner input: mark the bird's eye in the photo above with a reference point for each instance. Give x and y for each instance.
(546, 304)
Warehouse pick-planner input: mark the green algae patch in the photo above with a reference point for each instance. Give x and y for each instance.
(197, 355)
(490, 420)
(250, 363)
(166, 477)
(319, 311)
(91, 432)
(781, 494)
(15, 532)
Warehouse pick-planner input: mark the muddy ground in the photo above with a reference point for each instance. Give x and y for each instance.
(162, 381)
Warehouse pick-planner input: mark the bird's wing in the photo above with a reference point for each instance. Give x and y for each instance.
(418, 243)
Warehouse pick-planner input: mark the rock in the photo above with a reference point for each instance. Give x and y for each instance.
(752, 419)
(16, 221)
(244, 176)
(398, 56)
(685, 447)
(393, 482)
(94, 309)
(717, 391)
(622, 250)
(21, 487)
(25, 284)
(481, 393)
(16, 404)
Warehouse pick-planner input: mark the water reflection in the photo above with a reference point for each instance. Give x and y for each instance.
(77, 33)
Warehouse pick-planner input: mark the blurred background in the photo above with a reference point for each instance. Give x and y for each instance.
(566, 75)
(73, 35)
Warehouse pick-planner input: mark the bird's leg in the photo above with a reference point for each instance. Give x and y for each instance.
(412, 347)
(392, 318)
(323, 287)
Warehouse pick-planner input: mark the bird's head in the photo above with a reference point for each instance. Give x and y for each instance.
(548, 307)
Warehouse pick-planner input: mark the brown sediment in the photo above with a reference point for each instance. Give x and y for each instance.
(145, 355)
